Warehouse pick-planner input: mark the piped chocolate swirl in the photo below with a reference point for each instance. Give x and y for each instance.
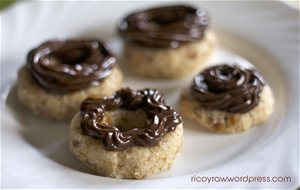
(64, 66)
(165, 27)
(160, 119)
(228, 88)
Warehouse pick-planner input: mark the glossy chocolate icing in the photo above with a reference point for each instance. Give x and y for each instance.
(165, 27)
(161, 119)
(64, 66)
(228, 88)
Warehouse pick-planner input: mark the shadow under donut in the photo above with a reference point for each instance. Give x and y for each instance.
(48, 137)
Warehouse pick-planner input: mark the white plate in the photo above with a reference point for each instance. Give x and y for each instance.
(35, 152)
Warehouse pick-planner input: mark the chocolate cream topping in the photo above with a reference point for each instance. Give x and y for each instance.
(228, 88)
(161, 119)
(64, 66)
(165, 27)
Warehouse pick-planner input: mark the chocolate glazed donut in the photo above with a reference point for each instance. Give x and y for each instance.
(64, 66)
(161, 119)
(228, 88)
(165, 27)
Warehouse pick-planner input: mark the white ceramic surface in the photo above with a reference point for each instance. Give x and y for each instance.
(35, 152)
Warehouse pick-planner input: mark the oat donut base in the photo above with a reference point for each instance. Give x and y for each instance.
(136, 162)
(61, 107)
(224, 122)
(188, 59)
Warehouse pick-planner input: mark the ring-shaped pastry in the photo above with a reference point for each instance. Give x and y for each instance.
(227, 99)
(60, 74)
(132, 134)
(167, 42)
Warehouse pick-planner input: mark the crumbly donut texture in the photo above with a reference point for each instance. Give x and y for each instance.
(225, 122)
(136, 162)
(188, 59)
(61, 107)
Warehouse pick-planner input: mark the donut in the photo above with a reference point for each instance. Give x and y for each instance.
(227, 99)
(60, 74)
(132, 134)
(167, 42)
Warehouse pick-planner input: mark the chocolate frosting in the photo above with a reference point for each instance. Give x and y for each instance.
(161, 119)
(64, 66)
(228, 88)
(165, 27)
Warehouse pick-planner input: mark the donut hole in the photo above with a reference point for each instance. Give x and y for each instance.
(157, 22)
(71, 55)
(125, 120)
